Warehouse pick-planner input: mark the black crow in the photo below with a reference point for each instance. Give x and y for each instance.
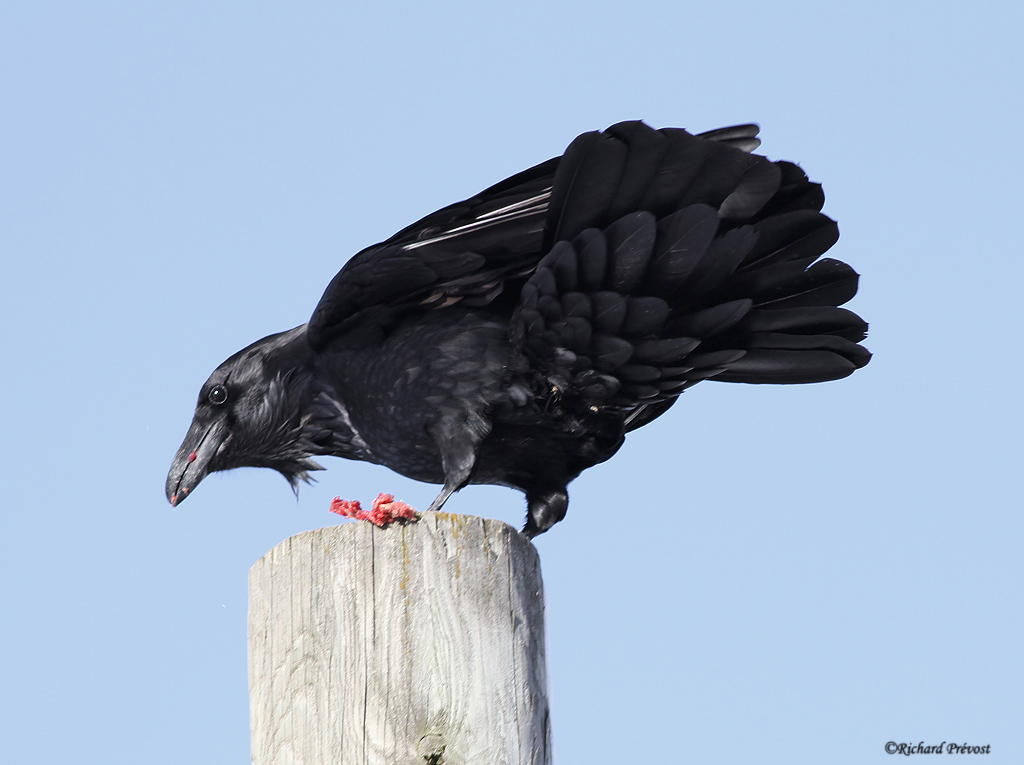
(516, 337)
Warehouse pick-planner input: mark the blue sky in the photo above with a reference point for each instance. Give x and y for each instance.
(792, 575)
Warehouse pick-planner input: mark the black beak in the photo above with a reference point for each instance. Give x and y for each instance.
(193, 462)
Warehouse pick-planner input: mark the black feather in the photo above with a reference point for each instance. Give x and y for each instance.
(664, 351)
(630, 239)
(683, 238)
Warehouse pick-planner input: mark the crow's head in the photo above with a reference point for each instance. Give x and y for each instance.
(252, 412)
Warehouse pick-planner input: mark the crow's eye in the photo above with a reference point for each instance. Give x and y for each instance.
(218, 395)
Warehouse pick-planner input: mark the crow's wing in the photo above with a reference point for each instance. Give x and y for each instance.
(465, 252)
(671, 260)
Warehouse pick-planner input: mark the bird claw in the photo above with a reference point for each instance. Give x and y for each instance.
(385, 510)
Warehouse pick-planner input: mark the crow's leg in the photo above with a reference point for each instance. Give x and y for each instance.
(546, 507)
(441, 498)
(457, 440)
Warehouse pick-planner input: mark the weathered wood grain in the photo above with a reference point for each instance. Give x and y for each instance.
(412, 644)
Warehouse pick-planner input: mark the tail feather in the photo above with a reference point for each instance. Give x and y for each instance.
(756, 186)
(787, 235)
(646, 153)
(716, 267)
(593, 259)
(585, 185)
(742, 137)
(765, 284)
(632, 238)
(782, 367)
(701, 172)
(710, 321)
(827, 282)
(683, 238)
(813, 320)
(795, 192)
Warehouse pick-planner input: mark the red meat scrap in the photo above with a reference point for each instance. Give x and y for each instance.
(385, 510)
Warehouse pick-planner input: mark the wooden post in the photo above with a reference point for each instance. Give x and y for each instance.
(411, 644)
